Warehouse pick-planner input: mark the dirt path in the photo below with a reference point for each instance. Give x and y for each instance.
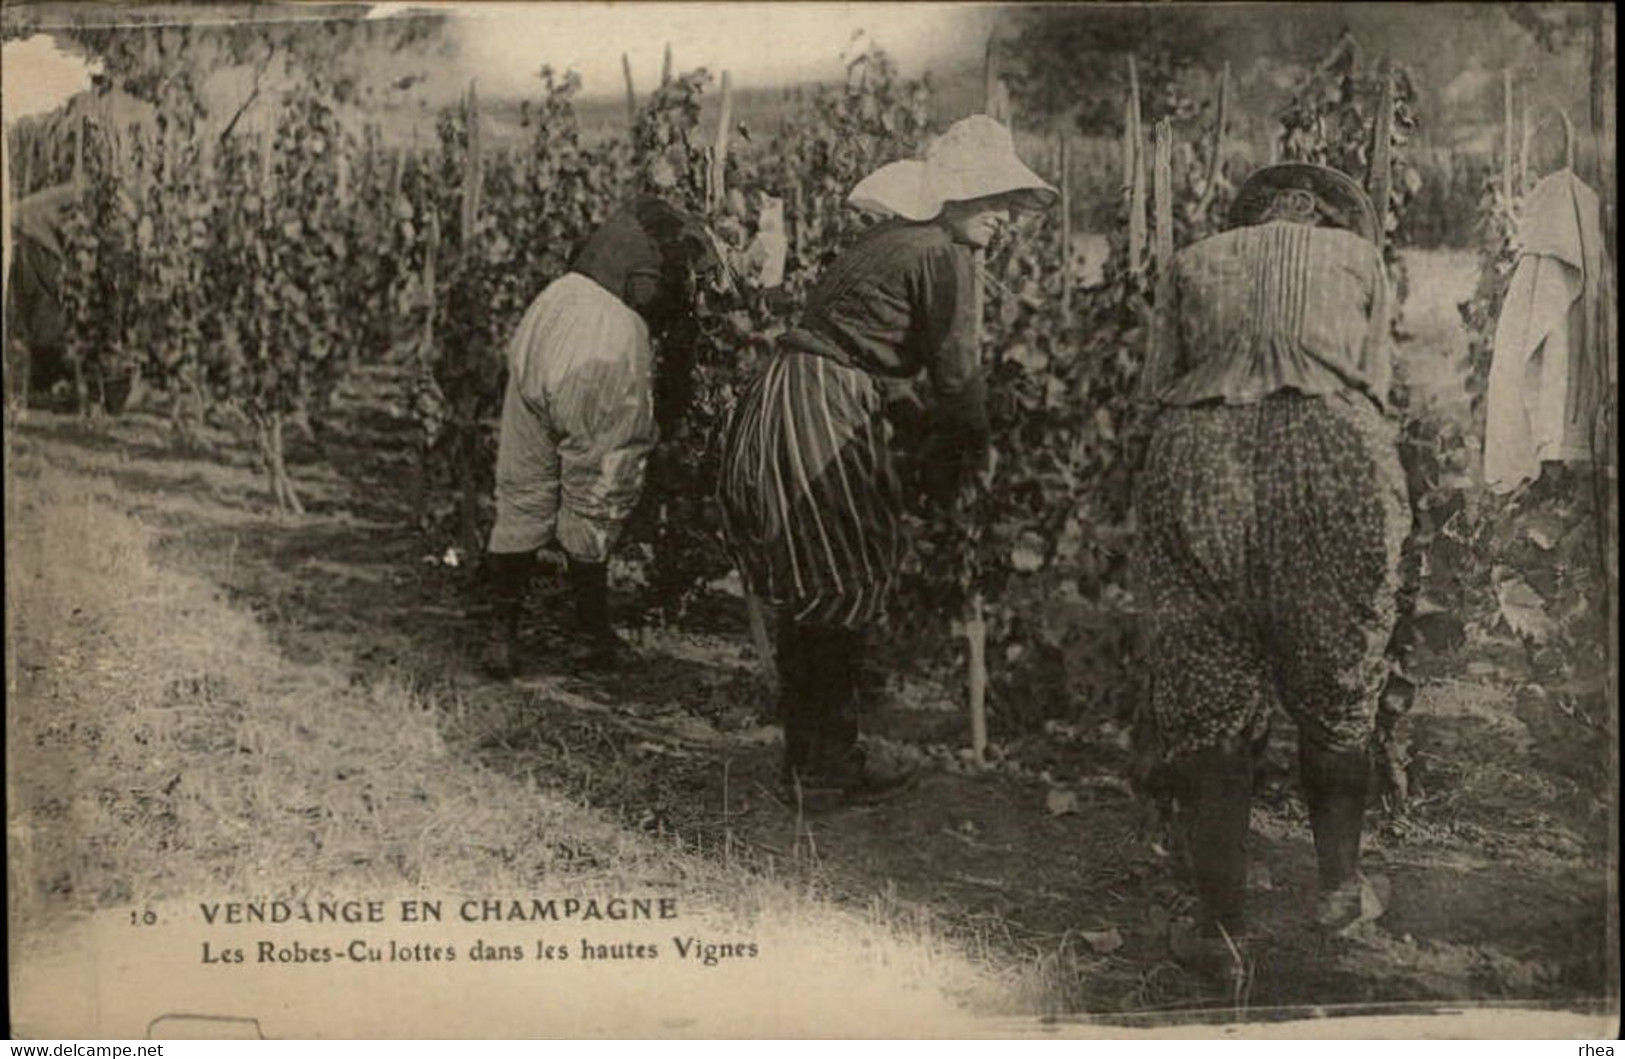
(1500, 877)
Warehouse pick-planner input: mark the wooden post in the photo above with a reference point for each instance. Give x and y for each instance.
(756, 613)
(1162, 184)
(1210, 186)
(1526, 143)
(473, 171)
(25, 168)
(990, 76)
(995, 104)
(1604, 174)
(424, 353)
(396, 166)
(995, 94)
(798, 233)
(1380, 181)
(1163, 196)
(1134, 156)
(14, 387)
(1602, 105)
(631, 96)
(265, 136)
(1507, 188)
(1065, 152)
(719, 157)
(79, 153)
(976, 648)
(665, 67)
(462, 413)
(287, 495)
(431, 250)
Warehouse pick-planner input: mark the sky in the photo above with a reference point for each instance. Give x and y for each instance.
(760, 44)
(53, 75)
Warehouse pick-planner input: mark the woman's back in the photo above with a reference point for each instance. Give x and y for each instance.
(1278, 306)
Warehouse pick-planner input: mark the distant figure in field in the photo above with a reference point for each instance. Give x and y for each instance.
(36, 331)
(810, 496)
(1272, 510)
(578, 419)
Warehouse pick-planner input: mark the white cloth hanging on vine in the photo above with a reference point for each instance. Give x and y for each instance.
(1548, 370)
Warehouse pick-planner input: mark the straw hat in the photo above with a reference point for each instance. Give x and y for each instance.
(973, 159)
(1340, 194)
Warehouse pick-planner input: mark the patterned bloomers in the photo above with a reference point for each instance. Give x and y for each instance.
(1270, 536)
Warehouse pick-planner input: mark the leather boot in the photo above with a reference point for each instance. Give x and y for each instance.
(1335, 783)
(507, 577)
(1214, 801)
(839, 770)
(589, 592)
(795, 712)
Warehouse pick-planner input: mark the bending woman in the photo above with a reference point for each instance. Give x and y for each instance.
(810, 497)
(1272, 510)
(578, 417)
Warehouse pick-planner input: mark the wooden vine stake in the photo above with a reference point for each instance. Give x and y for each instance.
(269, 424)
(1526, 144)
(1391, 741)
(79, 153)
(990, 77)
(665, 67)
(396, 168)
(976, 651)
(424, 358)
(265, 139)
(1064, 151)
(1380, 181)
(287, 496)
(341, 176)
(473, 170)
(1215, 155)
(1155, 317)
(996, 105)
(631, 95)
(473, 179)
(81, 386)
(762, 640)
(1163, 242)
(1602, 168)
(16, 390)
(756, 611)
(431, 249)
(719, 156)
(1134, 173)
(1134, 185)
(24, 163)
(14, 190)
(1507, 188)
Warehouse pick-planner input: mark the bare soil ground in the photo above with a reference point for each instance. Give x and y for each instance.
(1502, 876)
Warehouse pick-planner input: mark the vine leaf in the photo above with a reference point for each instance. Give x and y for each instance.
(1523, 610)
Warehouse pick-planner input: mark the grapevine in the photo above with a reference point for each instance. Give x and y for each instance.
(244, 272)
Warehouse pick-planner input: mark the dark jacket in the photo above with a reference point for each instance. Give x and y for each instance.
(901, 302)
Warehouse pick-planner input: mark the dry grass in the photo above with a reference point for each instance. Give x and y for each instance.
(160, 748)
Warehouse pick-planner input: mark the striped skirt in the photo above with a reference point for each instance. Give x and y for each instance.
(810, 500)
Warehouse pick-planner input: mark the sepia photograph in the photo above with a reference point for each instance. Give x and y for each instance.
(702, 520)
